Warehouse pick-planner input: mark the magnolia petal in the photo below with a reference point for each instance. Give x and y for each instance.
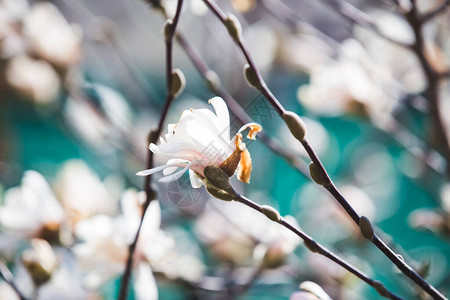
(254, 129)
(144, 283)
(170, 170)
(196, 181)
(222, 113)
(177, 175)
(245, 167)
(160, 168)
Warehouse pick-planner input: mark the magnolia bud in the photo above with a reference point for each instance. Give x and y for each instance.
(168, 30)
(213, 79)
(312, 246)
(271, 213)
(381, 289)
(40, 261)
(366, 228)
(152, 136)
(219, 194)
(178, 83)
(218, 183)
(251, 76)
(234, 27)
(295, 125)
(316, 174)
(217, 177)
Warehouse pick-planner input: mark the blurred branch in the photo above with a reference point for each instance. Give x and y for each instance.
(428, 16)
(328, 184)
(315, 247)
(439, 134)
(359, 17)
(290, 18)
(445, 74)
(8, 277)
(153, 136)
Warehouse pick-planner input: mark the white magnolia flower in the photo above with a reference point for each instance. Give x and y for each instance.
(106, 239)
(31, 210)
(202, 138)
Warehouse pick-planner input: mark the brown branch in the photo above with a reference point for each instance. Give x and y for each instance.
(259, 84)
(150, 194)
(315, 247)
(359, 17)
(439, 9)
(439, 133)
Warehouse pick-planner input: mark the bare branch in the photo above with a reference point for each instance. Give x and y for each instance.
(260, 85)
(150, 194)
(441, 8)
(316, 247)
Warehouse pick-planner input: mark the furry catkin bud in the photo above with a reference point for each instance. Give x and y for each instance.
(213, 79)
(295, 125)
(381, 289)
(152, 136)
(218, 183)
(251, 76)
(366, 228)
(271, 213)
(218, 193)
(40, 261)
(312, 246)
(217, 177)
(234, 27)
(316, 175)
(168, 30)
(178, 83)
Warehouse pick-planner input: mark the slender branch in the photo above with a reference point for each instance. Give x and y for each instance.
(445, 74)
(359, 17)
(273, 144)
(433, 78)
(319, 249)
(328, 184)
(428, 16)
(7, 276)
(150, 194)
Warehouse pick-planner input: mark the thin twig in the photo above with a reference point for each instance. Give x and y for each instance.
(359, 17)
(123, 293)
(321, 250)
(8, 277)
(433, 77)
(404, 268)
(428, 16)
(273, 144)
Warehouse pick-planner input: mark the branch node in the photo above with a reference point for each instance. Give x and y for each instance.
(295, 125)
(365, 225)
(271, 213)
(234, 27)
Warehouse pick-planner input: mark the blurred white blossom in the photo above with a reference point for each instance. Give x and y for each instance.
(31, 210)
(51, 36)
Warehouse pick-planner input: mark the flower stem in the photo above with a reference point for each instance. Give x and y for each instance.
(124, 284)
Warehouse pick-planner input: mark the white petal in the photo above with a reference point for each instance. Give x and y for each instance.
(170, 170)
(196, 181)
(157, 169)
(177, 175)
(222, 112)
(144, 283)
